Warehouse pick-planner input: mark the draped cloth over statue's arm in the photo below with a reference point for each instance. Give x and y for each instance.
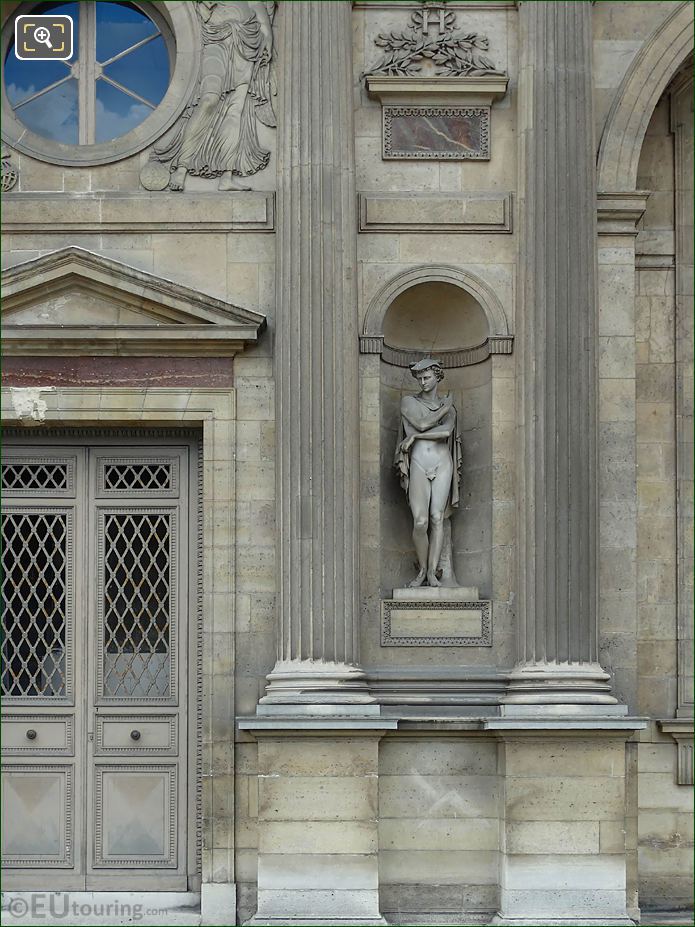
(401, 459)
(457, 458)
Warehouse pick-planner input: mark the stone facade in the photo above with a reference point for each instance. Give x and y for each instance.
(540, 773)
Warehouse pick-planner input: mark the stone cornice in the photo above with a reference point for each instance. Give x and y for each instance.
(175, 320)
(481, 90)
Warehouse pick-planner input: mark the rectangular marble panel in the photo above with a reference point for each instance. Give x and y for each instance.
(441, 132)
(435, 624)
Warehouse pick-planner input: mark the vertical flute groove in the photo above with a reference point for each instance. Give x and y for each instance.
(558, 588)
(316, 352)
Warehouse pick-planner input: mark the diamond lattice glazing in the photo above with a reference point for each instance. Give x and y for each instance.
(25, 476)
(34, 587)
(137, 577)
(137, 476)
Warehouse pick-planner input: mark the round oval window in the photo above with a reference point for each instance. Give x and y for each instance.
(119, 73)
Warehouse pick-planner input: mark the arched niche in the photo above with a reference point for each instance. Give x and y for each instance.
(498, 338)
(438, 317)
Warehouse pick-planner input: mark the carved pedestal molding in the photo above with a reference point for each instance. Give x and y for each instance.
(558, 639)
(316, 357)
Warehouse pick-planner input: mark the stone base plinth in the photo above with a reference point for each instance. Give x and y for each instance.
(437, 594)
(317, 823)
(566, 922)
(217, 903)
(564, 820)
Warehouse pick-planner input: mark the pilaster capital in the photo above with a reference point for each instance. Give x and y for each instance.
(681, 729)
(619, 213)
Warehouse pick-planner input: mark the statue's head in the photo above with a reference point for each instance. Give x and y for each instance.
(428, 363)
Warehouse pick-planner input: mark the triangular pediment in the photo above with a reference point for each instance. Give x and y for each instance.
(75, 301)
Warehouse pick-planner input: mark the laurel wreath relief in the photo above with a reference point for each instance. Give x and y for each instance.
(453, 55)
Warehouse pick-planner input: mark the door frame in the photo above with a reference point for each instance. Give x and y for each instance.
(213, 410)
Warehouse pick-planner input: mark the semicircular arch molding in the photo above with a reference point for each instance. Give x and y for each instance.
(653, 68)
(435, 273)
(499, 340)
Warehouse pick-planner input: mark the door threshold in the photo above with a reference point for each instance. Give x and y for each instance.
(102, 909)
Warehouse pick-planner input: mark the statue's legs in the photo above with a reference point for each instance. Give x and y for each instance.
(230, 135)
(419, 494)
(193, 136)
(446, 561)
(212, 72)
(441, 485)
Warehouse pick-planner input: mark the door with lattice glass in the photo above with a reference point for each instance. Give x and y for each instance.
(99, 563)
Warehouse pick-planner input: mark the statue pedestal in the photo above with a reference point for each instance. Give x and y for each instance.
(437, 594)
(436, 616)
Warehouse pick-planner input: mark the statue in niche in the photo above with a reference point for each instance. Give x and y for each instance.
(428, 461)
(217, 136)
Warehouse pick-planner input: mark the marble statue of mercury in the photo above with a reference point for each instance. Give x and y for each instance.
(428, 461)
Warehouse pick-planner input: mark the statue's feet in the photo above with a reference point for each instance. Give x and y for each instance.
(178, 178)
(418, 581)
(227, 182)
(432, 578)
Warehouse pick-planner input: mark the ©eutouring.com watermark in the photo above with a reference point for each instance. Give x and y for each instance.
(63, 905)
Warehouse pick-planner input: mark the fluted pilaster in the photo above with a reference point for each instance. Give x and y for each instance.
(316, 361)
(558, 636)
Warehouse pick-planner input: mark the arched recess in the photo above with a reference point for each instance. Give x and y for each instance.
(499, 339)
(652, 70)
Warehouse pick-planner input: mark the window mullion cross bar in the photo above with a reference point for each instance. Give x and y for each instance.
(41, 92)
(87, 83)
(132, 48)
(131, 93)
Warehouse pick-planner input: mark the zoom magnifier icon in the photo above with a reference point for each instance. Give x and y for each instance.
(43, 38)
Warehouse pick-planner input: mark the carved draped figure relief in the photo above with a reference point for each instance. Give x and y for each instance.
(217, 133)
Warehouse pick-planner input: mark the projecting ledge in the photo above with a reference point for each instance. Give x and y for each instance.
(537, 724)
(396, 89)
(299, 725)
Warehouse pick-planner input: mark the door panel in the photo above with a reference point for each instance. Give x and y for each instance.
(96, 565)
(37, 804)
(23, 734)
(136, 735)
(135, 816)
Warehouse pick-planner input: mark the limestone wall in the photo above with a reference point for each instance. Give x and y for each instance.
(442, 804)
(438, 826)
(665, 808)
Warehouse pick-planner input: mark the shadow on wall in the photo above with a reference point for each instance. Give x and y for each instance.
(432, 318)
